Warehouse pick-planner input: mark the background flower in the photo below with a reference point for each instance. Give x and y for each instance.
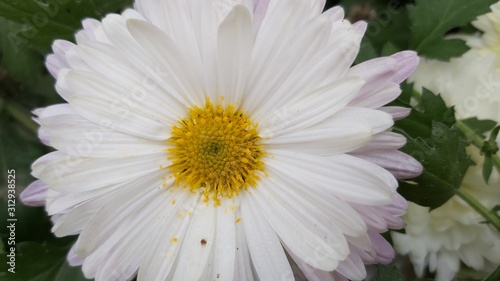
(440, 239)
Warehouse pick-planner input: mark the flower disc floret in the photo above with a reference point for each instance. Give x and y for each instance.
(216, 149)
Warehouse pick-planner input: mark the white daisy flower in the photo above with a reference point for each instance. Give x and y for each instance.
(213, 140)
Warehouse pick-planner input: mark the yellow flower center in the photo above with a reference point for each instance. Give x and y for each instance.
(216, 149)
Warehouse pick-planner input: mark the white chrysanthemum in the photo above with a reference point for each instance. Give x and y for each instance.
(489, 24)
(441, 239)
(470, 83)
(453, 233)
(208, 140)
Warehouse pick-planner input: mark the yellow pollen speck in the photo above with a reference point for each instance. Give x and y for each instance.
(173, 202)
(173, 239)
(216, 150)
(237, 220)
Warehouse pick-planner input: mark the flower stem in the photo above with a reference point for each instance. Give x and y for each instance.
(495, 275)
(477, 140)
(490, 216)
(19, 113)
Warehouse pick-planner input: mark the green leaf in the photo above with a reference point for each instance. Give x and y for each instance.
(479, 127)
(46, 20)
(20, 62)
(496, 209)
(490, 146)
(351, 5)
(420, 122)
(392, 25)
(386, 273)
(432, 19)
(41, 262)
(366, 51)
(487, 168)
(494, 134)
(444, 50)
(388, 23)
(435, 142)
(23, 76)
(389, 49)
(405, 96)
(445, 162)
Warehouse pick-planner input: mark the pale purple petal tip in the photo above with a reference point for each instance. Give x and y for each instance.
(61, 46)
(335, 13)
(53, 64)
(73, 258)
(360, 27)
(260, 10)
(399, 164)
(398, 206)
(410, 168)
(397, 112)
(44, 137)
(90, 24)
(407, 63)
(384, 251)
(34, 194)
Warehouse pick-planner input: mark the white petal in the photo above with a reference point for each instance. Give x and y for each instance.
(75, 219)
(77, 136)
(401, 165)
(379, 98)
(344, 176)
(311, 273)
(62, 202)
(196, 251)
(352, 267)
(89, 29)
(169, 58)
(332, 212)
(269, 74)
(243, 263)
(34, 194)
(329, 137)
(162, 253)
(234, 50)
(119, 212)
(123, 260)
(310, 110)
(385, 252)
(143, 89)
(101, 239)
(106, 102)
(168, 68)
(407, 63)
(335, 13)
(304, 233)
(268, 256)
(205, 26)
(376, 72)
(57, 61)
(397, 112)
(73, 259)
(224, 248)
(70, 174)
(177, 25)
(384, 141)
(260, 11)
